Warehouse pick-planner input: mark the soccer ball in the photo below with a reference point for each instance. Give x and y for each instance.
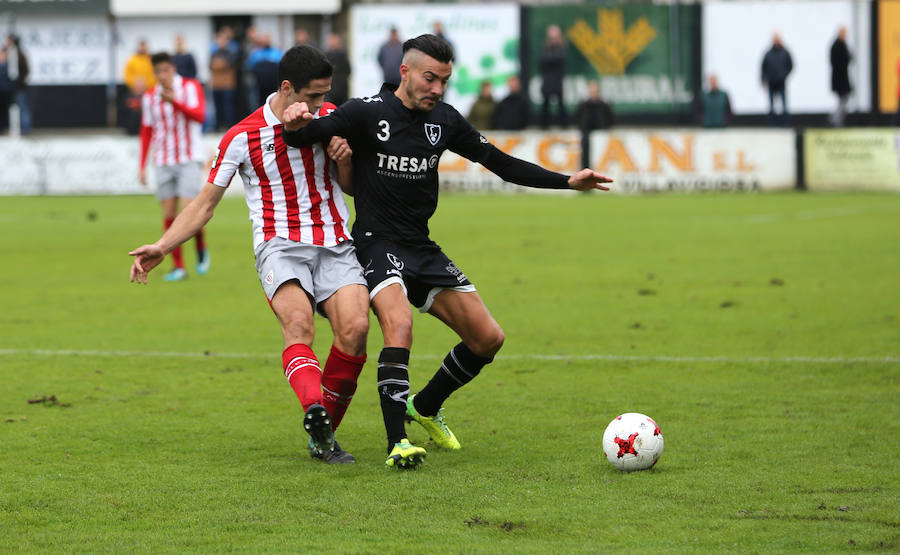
(632, 441)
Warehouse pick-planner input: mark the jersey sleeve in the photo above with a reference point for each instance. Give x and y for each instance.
(467, 141)
(343, 122)
(232, 152)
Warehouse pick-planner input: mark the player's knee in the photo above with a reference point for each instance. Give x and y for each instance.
(397, 331)
(489, 343)
(296, 325)
(354, 330)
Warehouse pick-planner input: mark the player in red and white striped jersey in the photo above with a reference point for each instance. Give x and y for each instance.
(172, 115)
(305, 256)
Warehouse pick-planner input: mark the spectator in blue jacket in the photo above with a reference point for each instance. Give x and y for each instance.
(776, 66)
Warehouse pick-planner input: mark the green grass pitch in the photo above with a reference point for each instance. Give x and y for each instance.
(761, 331)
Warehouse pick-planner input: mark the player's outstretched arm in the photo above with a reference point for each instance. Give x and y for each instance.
(186, 225)
(520, 172)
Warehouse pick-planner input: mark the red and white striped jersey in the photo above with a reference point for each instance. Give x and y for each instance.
(175, 128)
(291, 193)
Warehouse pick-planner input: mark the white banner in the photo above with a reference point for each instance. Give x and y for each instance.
(80, 166)
(696, 160)
(485, 41)
(645, 160)
(66, 49)
(638, 160)
(736, 36)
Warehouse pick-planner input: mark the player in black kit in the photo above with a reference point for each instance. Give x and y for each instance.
(397, 138)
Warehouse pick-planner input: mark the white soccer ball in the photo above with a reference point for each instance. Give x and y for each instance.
(632, 441)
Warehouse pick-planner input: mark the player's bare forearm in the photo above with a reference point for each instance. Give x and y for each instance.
(338, 149)
(191, 220)
(345, 177)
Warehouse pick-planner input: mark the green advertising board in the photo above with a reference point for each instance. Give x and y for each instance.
(55, 7)
(641, 54)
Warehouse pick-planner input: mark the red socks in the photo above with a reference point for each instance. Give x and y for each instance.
(301, 368)
(339, 383)
(176, 252)
(201, 244)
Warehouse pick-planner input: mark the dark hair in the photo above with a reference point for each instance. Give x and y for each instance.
(432, 45)
(161, 58)
(303, 63)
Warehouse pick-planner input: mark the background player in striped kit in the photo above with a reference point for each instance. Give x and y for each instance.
(172, 115)
(305, 257)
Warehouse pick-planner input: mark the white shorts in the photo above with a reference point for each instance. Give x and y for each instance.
(179, 180)
(321, 271)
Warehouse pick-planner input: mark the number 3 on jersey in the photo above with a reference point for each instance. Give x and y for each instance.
(385, 132)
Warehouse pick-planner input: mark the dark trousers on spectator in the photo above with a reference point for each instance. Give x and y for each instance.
(778, 89)
(562, 119)
(224, 100)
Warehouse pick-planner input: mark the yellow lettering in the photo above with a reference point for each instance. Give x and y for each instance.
(742, 164)
(616, 153)
(719, 163)
(570, 150)
(682, 162)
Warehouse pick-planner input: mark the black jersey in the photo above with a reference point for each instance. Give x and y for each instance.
(395, 160)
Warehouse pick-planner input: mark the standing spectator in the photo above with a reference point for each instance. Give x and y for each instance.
(263, 64)
(716, 106)
(172, 116)
(6, 90)
(593, 113)
(840, 76)
(139, 65)
(223, 81)
(552, 62)
(390, 56)
(185, 65)
(340, 81)
(482, 112)
(513, 112)
(18, 74)
(438, 31)
(776, 66)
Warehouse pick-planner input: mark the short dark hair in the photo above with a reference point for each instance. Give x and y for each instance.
(161, 58)
(432, 45)
(303, 63)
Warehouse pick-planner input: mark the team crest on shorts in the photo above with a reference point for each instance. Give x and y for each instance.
(433, 132)
(270, 277)
(395, 261)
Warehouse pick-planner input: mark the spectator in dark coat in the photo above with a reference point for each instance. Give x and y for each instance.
(6, 90)
(552, 62)
(263, 64)
(840, 76)
(513, 113)
(390, 56)
(185, 65)
(482, 111)
(340, 80)
(19, 78)
(776, 66)
(592, 114)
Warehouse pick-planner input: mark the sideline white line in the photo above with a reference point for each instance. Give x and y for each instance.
(512, 356)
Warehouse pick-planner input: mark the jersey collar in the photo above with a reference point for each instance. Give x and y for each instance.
(271, 119)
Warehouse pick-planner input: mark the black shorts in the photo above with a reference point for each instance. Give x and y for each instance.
(422, 270)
